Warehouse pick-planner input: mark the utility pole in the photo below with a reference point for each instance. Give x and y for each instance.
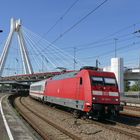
(97, 63)
(74, 56)
(115, 39)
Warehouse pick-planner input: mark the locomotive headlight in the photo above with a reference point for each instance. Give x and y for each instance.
(116, 100)
(94, 98)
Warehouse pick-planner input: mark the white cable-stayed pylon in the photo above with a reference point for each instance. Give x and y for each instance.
(16, 28)
(32, 53)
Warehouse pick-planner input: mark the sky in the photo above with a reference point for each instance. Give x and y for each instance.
(112, 24)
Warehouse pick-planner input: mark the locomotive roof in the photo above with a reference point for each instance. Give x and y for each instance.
(65, 75)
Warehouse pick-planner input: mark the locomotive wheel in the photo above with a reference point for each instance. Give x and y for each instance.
(84, 117)
(77, 114)
(115, 115)
(43, 100)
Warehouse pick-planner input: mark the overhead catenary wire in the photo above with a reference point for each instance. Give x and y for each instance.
(104, 45)
(101, 44)
(112, 51)
(59, 19)
(82, 46)
(55, 50)
(107, 38)
(79, 21)
(100, 55)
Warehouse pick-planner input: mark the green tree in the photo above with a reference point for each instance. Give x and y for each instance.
(136, 86)
(127, 86)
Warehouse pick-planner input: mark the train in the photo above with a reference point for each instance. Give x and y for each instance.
(88, 92)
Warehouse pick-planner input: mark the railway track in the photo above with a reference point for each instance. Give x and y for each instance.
(131, 131)
(130, 111)
(46, 128)
(132, 108)
(128, 114)
(127, 130)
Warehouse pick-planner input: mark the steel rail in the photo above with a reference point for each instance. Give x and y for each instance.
(72, 136)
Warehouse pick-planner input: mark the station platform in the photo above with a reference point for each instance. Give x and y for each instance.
(12, 126)
(131, 101)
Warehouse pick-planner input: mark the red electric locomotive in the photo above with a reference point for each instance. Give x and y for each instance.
(87, 91)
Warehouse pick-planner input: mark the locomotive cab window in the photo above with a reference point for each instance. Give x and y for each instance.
(110, 81)
(96, 81)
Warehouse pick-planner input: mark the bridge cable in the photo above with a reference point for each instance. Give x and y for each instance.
(46, 48)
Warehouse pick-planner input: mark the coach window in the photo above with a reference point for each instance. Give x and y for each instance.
(81, 81)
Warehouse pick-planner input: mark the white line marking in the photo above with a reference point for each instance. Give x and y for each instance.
(4, 120)
(133, 104)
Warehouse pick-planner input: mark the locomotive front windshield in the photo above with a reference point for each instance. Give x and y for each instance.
(101, 81)
(110, 81)
(97, 81)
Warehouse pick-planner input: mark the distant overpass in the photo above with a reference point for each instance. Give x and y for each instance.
(132, 74)
(122, 74)
(30, 77)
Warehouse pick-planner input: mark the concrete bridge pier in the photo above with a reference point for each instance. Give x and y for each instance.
(117, 68)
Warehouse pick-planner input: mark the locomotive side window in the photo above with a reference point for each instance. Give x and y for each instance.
(96, 81)
(81, 81)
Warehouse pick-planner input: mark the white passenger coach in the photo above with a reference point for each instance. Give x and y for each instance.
(37, 89)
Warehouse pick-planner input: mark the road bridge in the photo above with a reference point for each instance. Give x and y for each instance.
(30, 77)
(131, 76)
